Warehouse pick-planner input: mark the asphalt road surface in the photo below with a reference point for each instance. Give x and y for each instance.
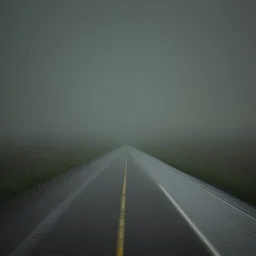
(119, 210)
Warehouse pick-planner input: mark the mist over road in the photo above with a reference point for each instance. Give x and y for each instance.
(175, 79)
(128, 73)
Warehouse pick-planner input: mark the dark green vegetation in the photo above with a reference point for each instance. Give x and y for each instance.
(23, 168)
(230, 167)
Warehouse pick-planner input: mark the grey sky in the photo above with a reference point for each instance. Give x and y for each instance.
(128, 70)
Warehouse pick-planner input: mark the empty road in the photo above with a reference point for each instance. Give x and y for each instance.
(116, 210)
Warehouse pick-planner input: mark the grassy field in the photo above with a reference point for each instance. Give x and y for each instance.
(231, 168)
(24, 169)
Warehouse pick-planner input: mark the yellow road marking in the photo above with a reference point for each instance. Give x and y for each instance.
(120, 235)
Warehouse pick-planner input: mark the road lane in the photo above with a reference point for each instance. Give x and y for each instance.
(153, 225)
(230, 230)
(89, 226)
(20, 216)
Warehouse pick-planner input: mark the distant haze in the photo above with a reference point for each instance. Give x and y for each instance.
(128, 71)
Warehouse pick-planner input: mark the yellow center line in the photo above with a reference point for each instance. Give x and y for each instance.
(120, 235)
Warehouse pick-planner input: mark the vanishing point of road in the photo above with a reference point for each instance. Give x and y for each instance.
(118, 210)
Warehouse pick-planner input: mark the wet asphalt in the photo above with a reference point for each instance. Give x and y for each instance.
(89, 225)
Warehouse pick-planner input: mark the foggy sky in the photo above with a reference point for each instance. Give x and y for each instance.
(127, 71)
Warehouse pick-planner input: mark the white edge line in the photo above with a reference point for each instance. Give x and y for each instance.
(192, 225)
(46, 224)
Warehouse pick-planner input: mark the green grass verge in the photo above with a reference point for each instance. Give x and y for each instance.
(234, 175)
(235, 182)
(21, 171)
